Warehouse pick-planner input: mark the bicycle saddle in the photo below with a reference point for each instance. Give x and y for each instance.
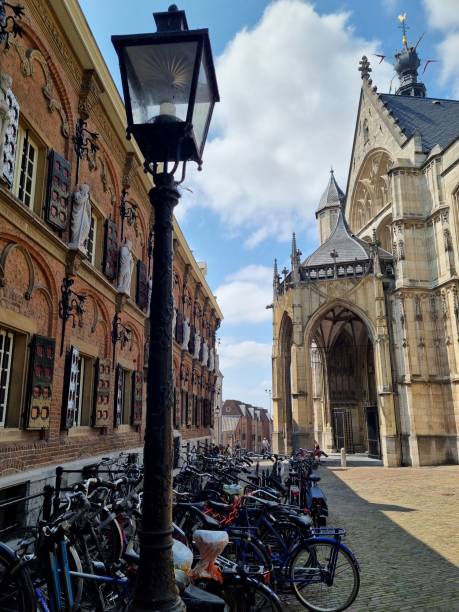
(301, 521)
(313, 478)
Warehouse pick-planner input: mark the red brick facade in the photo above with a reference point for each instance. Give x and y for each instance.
(247, 426)
(57, 75)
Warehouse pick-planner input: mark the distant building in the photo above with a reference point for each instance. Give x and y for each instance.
(245, 424)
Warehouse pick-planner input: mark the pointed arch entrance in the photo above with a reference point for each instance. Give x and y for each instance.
(344, 381)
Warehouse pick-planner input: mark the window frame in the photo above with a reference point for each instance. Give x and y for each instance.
(4, 332)
(25, 136)
(91, 241)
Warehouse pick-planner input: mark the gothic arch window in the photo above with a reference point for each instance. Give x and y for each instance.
(371, 192)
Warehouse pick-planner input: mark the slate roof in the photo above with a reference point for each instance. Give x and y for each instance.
(349, 247)
(332, 196)
(436, 120)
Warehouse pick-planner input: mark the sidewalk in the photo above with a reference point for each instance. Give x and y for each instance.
(402, 524)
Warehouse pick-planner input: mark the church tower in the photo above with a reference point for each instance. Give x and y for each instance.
(331, 202)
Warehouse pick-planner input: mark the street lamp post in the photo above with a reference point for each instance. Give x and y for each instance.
(170, 89)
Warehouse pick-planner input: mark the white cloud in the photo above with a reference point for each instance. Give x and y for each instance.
(444, 15)
(246, 366)
(244, 295)
(246, 353)
(289, 90)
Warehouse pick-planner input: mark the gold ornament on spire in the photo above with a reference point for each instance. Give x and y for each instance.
(404, 28)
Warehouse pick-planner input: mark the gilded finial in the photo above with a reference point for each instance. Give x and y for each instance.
(404, 28)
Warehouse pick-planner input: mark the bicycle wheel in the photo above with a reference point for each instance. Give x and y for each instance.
(247, 552)
(314, 582)
(16, 589)
(250, 596)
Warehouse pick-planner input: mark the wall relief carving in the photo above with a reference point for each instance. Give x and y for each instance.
(27, 58)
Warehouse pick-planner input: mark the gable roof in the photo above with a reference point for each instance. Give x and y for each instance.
(437, 121)
(348, 247)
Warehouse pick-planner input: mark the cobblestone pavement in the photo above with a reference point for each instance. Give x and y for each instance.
(403, 526)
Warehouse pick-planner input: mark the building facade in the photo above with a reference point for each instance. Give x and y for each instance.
(74, 272)
(366, 329)
(245, 425)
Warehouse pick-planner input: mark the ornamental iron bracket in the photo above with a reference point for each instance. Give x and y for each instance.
(120, 333)
(84, 144)
(128, 211)
(71, 305)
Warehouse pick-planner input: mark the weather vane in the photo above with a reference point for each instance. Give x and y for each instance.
(404, 28)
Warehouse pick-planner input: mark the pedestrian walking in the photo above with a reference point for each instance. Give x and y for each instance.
(265, 446)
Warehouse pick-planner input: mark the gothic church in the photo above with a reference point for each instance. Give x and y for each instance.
(366, 328)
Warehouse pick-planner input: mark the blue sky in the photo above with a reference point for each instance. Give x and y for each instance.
(289, 85)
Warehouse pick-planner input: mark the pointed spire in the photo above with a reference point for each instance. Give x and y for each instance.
(275, 280)
(295, 261)
(333, 196)
(294, 249)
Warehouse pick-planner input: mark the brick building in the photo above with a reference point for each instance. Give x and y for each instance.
(69, 394)
(245, 424)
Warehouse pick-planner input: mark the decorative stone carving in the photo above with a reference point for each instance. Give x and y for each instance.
(81, 218)
(174, 318)
(401, 250)
(126, 266)
(90, 90)
(186, 334)
(212, 359)
(197, 345)
(27, 58)
(150, 289)
(205, 353)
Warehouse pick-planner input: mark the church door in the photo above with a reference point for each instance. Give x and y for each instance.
(342, 429)
(374, 447)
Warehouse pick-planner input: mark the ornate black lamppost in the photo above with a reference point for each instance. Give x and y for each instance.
(169, 88)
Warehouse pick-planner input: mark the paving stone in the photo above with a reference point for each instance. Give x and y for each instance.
(402, 525)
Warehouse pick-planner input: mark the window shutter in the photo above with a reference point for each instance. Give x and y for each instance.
(57, 205)
(176, 408)
(101, 414)
(191, 342)
(211, 413)
(199, 412)
(189, 410)
(110, 249)
(10, 139)
(179, 328)
(40, 382)
(119, 389)
(69, 406)
(141, 296)
(137, 397)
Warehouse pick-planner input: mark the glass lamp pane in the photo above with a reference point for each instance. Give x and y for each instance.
(159, 78)
(202, 106)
